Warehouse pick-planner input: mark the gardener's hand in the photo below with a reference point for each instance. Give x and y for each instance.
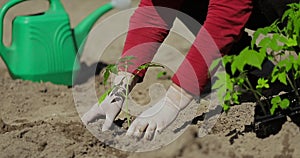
(162, 114)
(112, 104)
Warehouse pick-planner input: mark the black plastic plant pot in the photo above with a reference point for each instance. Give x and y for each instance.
(295, 117)
(269, 125)
(266, 124)
(293, 111)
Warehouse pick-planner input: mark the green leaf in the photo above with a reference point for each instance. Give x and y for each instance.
(286, 14)
(297, 75)
(161, 74)
(282, 78)
(227, 59)
(295, 63)
(262, 83)
(240, 81)
(224, 86)
(129, 63)
(221, 80)
(104, 95)
(142, 67)
(276, 100)
(106, 76)
(147, 65)
(235, 97)
(265, 42)
(219, 83)
(284, 104)
(289, 64)
(234, 66)
(227, 97)
(226, 107)
(155, 65)
(251, 57)
(274, 45)
(272, 110)
(257, 33)
(220, 93)
(114, 69)
(238, 64)
(246, 56)
(126, 59)
(229, 84)
(275, 74)
(281, 38)
(214, 64)
(292, 42)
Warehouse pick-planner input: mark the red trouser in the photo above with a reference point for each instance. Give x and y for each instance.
(224, 23)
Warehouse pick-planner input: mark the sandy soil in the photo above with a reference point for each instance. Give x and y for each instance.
(41, 119)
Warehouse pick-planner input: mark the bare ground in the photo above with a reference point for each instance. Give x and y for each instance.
(41, 120)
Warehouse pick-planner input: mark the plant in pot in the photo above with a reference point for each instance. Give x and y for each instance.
(237, 82)
(279, 43)
(284, 46)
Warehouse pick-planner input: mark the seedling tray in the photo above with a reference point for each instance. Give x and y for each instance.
(267, 124)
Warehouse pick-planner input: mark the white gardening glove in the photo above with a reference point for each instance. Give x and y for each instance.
(112, 104)
(162, 114)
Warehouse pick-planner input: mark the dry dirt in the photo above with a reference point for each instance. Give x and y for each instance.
(41, 120)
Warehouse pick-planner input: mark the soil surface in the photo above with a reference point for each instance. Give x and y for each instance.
(43, 120)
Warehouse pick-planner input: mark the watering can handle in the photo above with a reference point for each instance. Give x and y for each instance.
(3, 11)
(54, 6)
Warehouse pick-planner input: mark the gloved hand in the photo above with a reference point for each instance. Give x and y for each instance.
(112, 104)
(162, 114)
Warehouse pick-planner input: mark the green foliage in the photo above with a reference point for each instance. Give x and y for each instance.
(112, 68)
(215, 64)
(225, 90)
(277, 41)
(147, 65)
(292, 16)
(277, 102)
(104, 95)
(225, 83)
(247, 57)
(161, 74)
(262, 83)
(124, 62)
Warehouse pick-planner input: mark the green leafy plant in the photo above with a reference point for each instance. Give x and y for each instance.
(287, 72)
(124, 63)
(282, 45)
(277, 102)
(232, 84)
(278, 40)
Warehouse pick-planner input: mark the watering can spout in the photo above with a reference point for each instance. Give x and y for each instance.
(83, 28)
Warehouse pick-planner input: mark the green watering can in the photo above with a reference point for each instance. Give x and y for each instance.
(44, 46)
